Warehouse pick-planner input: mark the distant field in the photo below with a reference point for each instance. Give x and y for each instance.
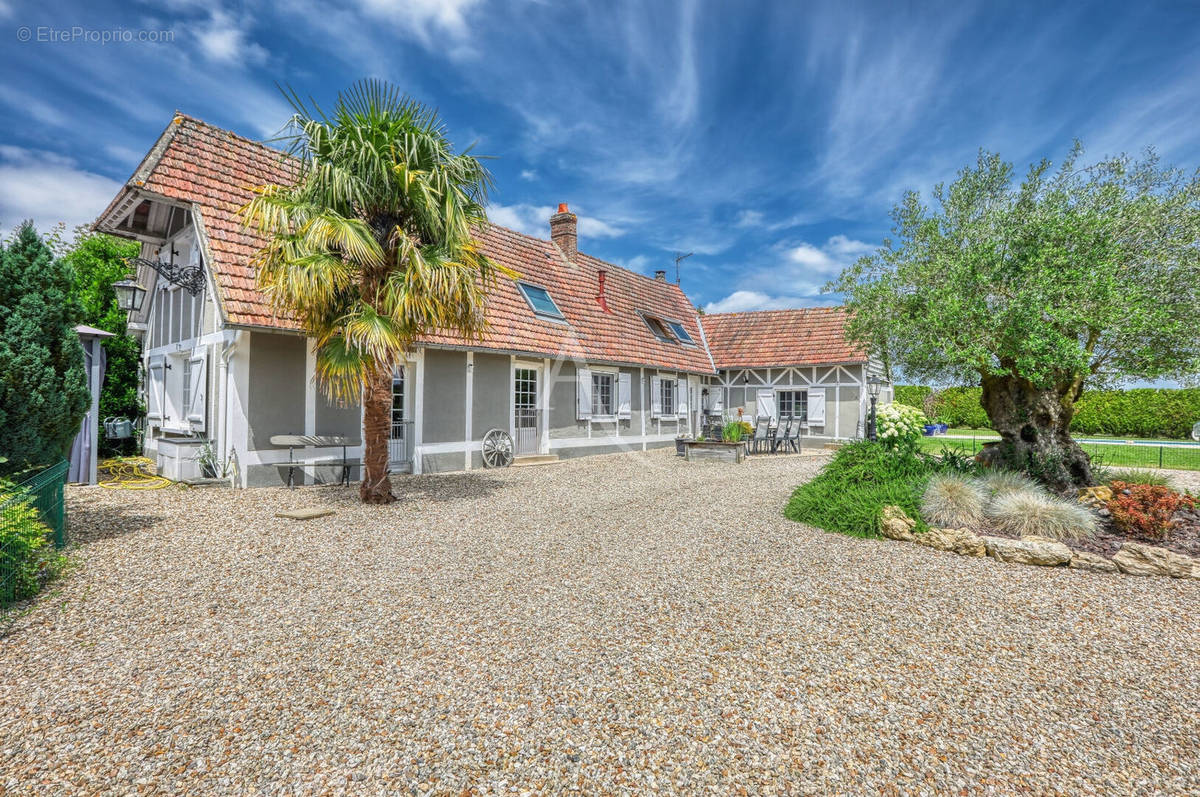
(1134, 456)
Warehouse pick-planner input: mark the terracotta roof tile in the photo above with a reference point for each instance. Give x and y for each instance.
(812, 336)
(216, 170)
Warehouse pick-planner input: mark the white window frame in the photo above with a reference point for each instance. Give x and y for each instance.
(613, 377)
(795, 392)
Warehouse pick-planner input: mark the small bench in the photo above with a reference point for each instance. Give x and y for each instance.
(294, 441)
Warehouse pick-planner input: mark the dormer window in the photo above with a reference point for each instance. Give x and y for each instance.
(681, 334)
(658, 328)
(539, 299)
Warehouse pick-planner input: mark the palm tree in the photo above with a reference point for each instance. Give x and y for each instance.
(372, 247)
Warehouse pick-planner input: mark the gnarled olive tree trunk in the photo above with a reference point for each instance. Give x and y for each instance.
(1033, 424)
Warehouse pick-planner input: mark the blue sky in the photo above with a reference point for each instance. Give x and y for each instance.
(771, 139)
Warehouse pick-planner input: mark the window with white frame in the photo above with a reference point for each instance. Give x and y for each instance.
(793, 403)
(666, 393)
(602, 394)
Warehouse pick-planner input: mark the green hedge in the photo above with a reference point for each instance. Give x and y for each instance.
(1139, 412)
(912, 395)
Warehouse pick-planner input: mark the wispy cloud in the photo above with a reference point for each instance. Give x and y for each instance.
(224, 38)
(535, 220)
(745, 301)
(49, 188)
(529, 175)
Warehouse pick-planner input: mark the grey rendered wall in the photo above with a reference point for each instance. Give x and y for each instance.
(335, 420)
(445, 397)
(849, 412)
(563, 408)
(491, 384)
(275, 397)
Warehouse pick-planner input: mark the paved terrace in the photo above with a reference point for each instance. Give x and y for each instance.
(618, 623)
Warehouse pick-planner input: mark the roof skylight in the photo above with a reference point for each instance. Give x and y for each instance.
(539, 299)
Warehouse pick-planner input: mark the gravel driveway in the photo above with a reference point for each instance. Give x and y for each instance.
(622, 623)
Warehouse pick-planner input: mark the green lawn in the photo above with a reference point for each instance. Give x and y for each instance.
(1123, 456)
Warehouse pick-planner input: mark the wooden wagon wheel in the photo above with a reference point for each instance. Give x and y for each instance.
(497, 449)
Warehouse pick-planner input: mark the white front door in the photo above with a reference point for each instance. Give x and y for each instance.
(526, 404)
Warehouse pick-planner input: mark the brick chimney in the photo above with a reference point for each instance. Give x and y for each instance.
(661, 276)
(562, 232)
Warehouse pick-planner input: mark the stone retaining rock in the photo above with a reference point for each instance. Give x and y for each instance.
(963, 542)
(1028, 551)
(895, 524)
(1147, 560)
(1082, 560)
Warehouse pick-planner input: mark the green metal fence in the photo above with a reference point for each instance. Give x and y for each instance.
(38, 498)
(1174, 456)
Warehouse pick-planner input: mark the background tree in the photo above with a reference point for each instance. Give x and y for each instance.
(372, 247)
(97, 261)
(1078, 277)
(43, 387)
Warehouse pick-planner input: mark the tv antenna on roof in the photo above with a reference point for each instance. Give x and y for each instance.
(678, 257)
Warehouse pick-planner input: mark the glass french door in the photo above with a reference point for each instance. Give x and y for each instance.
(400, 442)
(526, 425)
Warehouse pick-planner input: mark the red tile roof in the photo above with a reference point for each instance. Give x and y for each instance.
(813, 336)
(215, 170)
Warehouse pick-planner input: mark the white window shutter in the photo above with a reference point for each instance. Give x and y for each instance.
(624, 396)
(196, 413)
(681, 397)
(583, 393)
(816, 406)
(155, 377)
(656, 407)
(766, 404)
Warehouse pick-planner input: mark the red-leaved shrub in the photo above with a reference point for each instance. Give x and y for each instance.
(1147, 509)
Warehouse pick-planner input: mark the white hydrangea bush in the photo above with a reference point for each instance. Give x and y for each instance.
(899, 425)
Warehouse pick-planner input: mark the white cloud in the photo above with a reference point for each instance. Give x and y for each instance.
(749, 218)
(223, 39)
(745, 301)
(529, 174)
(424, 18)
(49, 189)
(535, 220)
(23, 102)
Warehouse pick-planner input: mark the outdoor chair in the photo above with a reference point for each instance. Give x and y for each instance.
(760, 433)
(791, 440)
(773, 435)
(784, 436)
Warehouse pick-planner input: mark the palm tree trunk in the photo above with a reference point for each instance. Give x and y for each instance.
(376, 488)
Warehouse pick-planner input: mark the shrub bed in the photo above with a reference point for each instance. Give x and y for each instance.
(848, 496)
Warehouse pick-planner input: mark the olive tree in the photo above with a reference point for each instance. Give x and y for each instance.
(1077, 277)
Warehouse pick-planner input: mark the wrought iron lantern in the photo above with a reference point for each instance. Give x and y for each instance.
(874, 385)
(130, 295)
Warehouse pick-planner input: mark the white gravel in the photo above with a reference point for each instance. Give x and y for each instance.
(614, 624)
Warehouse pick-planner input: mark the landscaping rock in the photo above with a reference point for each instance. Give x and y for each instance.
(895, 524)
(1095, 495)
(1028, 551)
(1147, 560)
(1082, 560)
(961, 541)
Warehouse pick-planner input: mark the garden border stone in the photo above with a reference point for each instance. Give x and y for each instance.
(1133, 558)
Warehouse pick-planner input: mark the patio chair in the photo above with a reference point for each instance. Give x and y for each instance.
(773, 435)
(760, 433)
(787, 441)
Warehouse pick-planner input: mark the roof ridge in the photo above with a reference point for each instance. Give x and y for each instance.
(180, 115)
